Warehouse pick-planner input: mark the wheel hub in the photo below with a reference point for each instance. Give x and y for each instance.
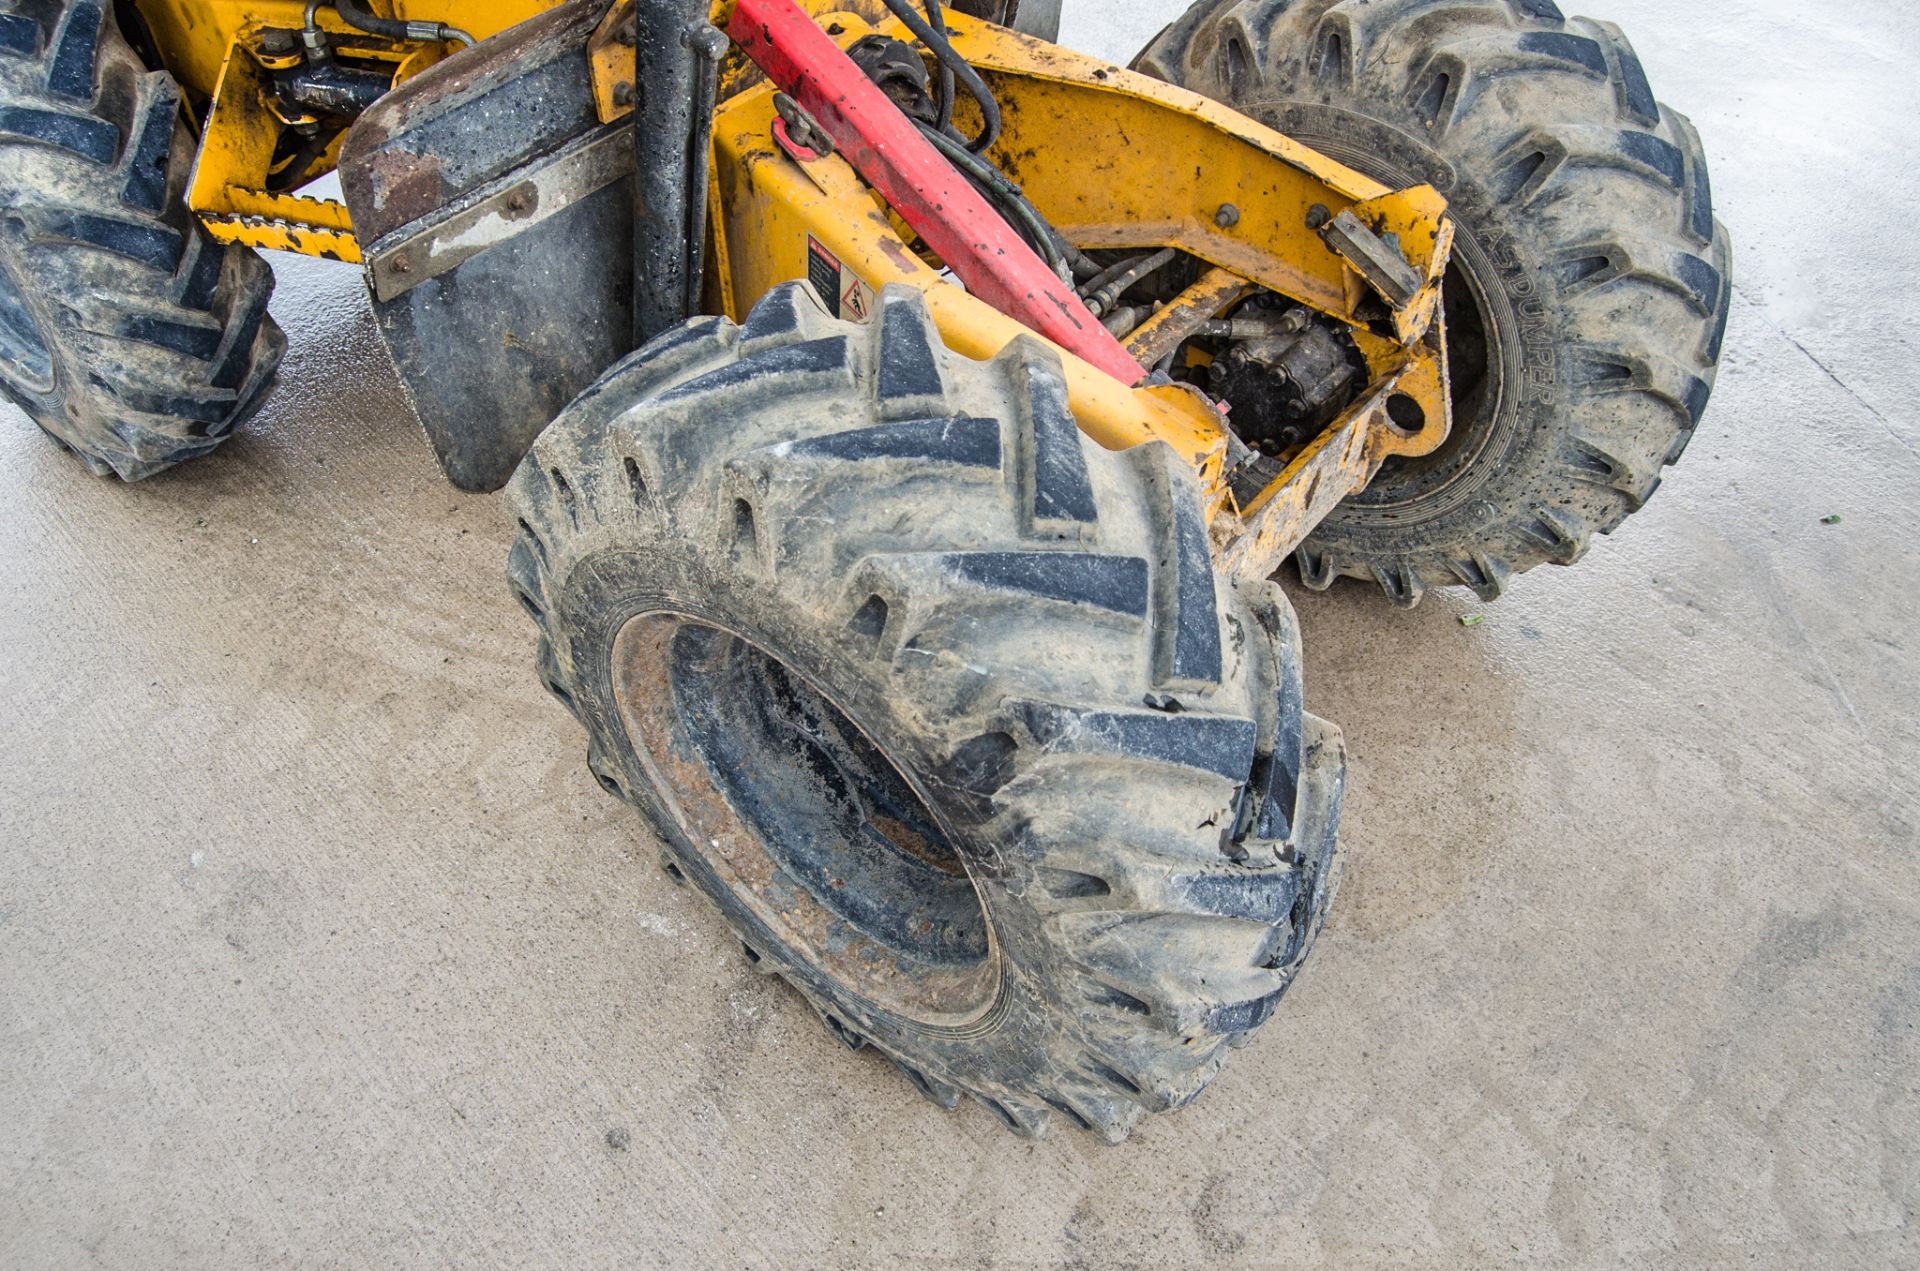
(797, 813)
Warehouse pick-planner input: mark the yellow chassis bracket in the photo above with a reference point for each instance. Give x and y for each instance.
(195, 37)
(230, 176)
(1117, 160)
(1114, 159)
(242, 130)
(781, 216)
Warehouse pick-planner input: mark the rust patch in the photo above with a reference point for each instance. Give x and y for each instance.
(732, 855)
(913, 843)
(1183, 315)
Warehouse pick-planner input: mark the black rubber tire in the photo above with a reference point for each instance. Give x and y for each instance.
(1039, 18)
(1028, 627)
(1586, 249)
(126, 332)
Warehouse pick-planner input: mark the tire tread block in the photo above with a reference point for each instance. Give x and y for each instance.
(76, 43)
(146, 159)
(1116, 583)
(968, 441)
(84, 135)
(163, 333)
(1220, 744)
(1186, 651)
(1016, 788)
(1555, 146)
(908, 375)
(1056, 492)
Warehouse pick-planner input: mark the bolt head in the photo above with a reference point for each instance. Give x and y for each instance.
(401, 264)
(1227, 217)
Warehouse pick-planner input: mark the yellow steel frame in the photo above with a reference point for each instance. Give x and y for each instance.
(1118, 160)
(1114, 160)
(194, 36)
(213, 49)
(771, 205)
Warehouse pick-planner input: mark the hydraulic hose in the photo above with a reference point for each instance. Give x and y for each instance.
(394, 29)
(1066, 260)
(943, 80)
(1102, 292)
(997, 187)
(944, 51)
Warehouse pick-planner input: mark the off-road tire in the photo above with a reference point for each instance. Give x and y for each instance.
(126, 332)
(1106, 734)
(1586, 250)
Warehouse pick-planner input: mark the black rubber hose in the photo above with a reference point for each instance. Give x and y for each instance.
(1046, 239)
(1104, 291)
(969, 78)
(943, 74)
(1110, 272)
(394, 29)
(997, 187)
(360, 19)
(295, 171)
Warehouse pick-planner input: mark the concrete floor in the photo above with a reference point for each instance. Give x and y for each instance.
(319, 946)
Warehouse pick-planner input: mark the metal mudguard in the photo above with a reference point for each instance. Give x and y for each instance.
(495, 211)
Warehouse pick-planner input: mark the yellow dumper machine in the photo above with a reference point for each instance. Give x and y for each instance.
(904, 417)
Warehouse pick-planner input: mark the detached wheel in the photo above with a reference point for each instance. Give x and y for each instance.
(126, 332)
(942, 705)
(1589, 288)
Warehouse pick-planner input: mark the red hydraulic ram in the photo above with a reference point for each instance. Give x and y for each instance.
(916, 180)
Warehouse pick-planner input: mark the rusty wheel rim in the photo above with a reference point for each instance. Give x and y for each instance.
(794, 809)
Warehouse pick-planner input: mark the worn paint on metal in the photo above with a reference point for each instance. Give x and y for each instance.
(230, 174)
(1175, 322)
(611, 60)
(1329, 468)
(954, 219)
(1152, 166)
(194, 35)
(771, 204)
(547, 187)
(772, 199)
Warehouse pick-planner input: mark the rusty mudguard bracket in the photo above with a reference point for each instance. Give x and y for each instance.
(495, 213)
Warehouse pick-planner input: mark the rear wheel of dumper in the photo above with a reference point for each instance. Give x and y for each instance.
(943, 706)
(1589, 287)
(126, 332)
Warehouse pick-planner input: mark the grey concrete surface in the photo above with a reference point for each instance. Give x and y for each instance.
(318, 945)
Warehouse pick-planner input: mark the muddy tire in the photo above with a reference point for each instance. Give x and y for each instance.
(1590, 284)
(126, 332)
(942, 705)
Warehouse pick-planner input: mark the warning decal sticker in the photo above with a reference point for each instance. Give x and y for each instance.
(838, 287)
(823, 271)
